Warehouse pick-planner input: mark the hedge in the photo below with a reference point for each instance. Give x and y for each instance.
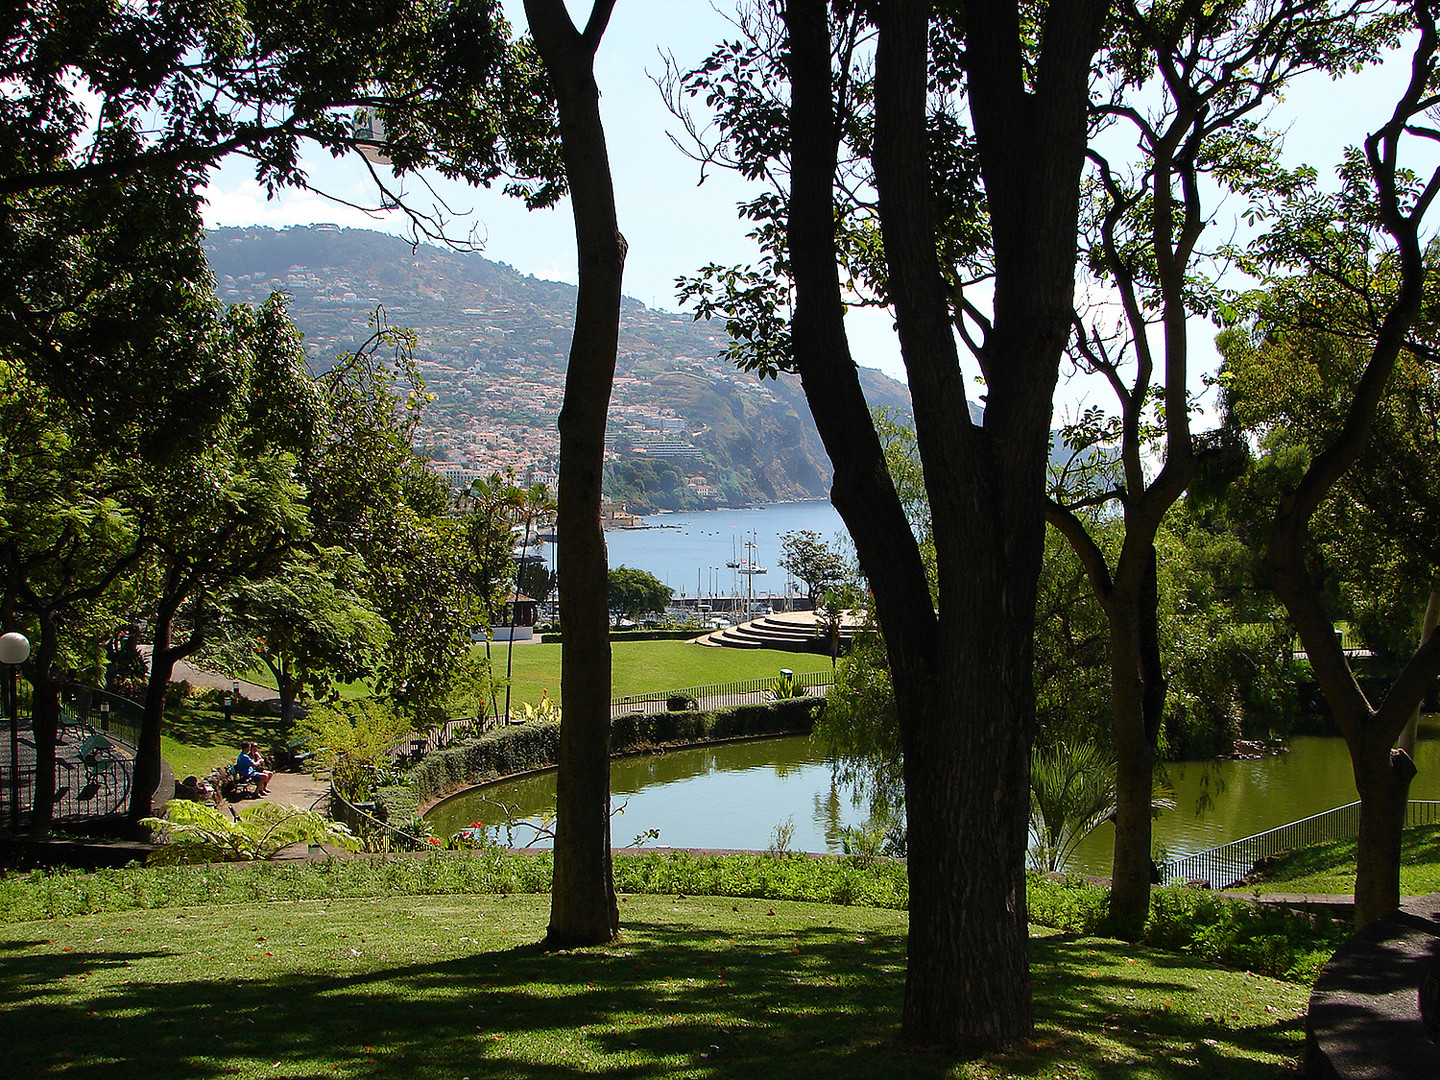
(526, 747)
(638, 635)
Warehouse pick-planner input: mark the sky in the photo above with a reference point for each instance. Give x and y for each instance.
(674, 224)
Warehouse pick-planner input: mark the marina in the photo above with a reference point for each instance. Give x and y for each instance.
(715, 556)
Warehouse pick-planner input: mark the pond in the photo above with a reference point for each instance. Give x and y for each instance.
(735, 795)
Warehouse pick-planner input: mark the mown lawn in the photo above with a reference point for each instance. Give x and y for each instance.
(455, 986)
(1330, 868)
(638, 667)
(642, 667)
(199, 738)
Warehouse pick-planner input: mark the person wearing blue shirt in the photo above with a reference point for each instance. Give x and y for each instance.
(251, 766)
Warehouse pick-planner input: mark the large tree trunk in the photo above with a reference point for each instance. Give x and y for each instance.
(963, 678)
(146, 778)
(583, 906)
(1384, 795)
(163, 657)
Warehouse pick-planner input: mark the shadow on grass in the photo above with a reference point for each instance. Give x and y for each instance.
(1179, 1017)
(195, 726)
(669, 1000)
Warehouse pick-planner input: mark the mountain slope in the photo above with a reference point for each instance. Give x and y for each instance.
(492, 349)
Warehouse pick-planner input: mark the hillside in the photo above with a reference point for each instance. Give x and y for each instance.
(687, 431)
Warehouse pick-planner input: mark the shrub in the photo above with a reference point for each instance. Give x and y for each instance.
(680, 703)
(526, 747)
(1268, 940)
(198, 833)
(351, 740)
(786, 687)
(1070, 904)
(399, 802)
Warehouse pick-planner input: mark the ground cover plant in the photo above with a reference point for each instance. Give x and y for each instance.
(452, 986)
(1330, 868)
(1207, 926)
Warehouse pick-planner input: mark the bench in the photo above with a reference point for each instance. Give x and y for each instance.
(234, 784)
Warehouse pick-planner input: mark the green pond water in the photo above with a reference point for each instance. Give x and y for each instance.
(734, 796)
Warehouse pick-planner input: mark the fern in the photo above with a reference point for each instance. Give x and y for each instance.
(193, 832)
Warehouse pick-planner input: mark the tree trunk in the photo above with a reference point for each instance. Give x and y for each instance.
(962, 678)
(45, 722)
(583, 906)
(163, 657)
(1384, 795)
(146, 778)
(967, 803)
(1382, 776)
(1137, 693)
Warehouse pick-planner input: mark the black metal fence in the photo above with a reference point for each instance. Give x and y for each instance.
(93, 774)
(99, 710)
(375, 833)
(1228, 864)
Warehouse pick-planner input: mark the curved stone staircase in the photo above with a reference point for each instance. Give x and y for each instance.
(790, 632)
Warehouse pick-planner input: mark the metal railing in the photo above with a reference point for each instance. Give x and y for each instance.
(91, 780)
(366, 825)
(102, 711)
(1228, 865)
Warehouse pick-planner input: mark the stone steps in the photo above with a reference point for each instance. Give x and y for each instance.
(790, 633)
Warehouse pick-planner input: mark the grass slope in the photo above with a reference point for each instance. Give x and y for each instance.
(454, 986)
(1330, 868)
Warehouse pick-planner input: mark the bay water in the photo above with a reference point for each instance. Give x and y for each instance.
(689, 551)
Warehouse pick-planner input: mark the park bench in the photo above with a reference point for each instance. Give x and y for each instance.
(233, 784)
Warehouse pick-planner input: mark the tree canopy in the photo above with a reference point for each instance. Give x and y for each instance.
(814, 562)
(635, 592)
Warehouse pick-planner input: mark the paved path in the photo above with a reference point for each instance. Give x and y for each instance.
(297, 789)
(196, 676)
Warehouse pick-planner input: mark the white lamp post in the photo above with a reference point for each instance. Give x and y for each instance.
(14, 651)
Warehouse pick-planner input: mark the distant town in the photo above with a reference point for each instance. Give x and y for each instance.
(686, 431)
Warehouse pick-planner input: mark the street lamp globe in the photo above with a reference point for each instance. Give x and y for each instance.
(14, 648)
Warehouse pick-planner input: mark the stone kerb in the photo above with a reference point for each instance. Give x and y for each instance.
(1373, 1013)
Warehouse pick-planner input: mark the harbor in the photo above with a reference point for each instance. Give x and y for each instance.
(715, 557)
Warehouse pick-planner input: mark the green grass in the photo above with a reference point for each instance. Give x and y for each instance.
(1330, 868)
(637, 667)
(261, 675)
(643, 667)
(197, 738)
(455, 986)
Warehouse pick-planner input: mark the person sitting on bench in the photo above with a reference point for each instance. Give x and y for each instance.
(249, 766)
